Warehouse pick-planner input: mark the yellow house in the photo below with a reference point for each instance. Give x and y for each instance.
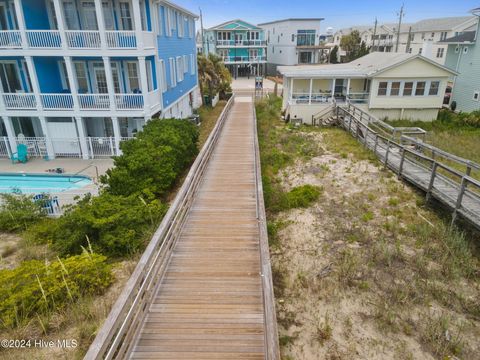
(387, 85)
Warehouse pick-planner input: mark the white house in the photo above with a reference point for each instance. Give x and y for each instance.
(387, 85)
(422, 37)
(293, 41)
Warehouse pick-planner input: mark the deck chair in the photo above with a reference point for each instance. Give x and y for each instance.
(21, 154)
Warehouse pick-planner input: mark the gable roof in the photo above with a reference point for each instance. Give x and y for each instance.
(291, 19)
(238, 24)
(367, 66)
(437, 24)
(465, 37)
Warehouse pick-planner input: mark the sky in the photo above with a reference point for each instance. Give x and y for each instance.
(337, 14)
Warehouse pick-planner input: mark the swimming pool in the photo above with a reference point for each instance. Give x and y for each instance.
(41, 183)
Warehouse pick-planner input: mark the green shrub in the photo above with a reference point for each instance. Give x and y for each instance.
(18, 212)
(115, 225)
(301, 197)
(38, 287)
(152, 161)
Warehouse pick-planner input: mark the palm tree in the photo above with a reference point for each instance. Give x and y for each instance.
(213, 76)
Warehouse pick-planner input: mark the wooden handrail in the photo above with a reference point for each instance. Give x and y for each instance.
(115, 338)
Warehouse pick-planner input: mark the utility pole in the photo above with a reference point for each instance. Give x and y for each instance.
(374, 34)
(409, 41)
(201, 29)
(400, 16)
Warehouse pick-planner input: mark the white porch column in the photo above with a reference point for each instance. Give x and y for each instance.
(34, 81)
(137, 19)
(116, 134)
(21, 22)
(333, 88)
(48, 140)
(101, 22)
(82, 137)
(348, 87)
(61, 22)
(310, 92)
(291, 89)
(144, 82)
(72, 81)
(110, 86)
(10, 133)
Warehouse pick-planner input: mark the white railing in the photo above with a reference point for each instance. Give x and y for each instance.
(19, 101)
(358, 97)
(244, 59)
(83, 39)
(36, 146)
(101, 146)
(4, 147)
(129, 101)
(241, 43)
(44, 39)
(10, 39)
(121, 39)
(94, 101)
(304, 98)
(57, 101)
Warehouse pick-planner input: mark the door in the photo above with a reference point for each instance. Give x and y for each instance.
(3, 17)
(339, 88)
(125, 16)
(64, 138)
(238, 39)
(10, 77)
(71, 18)
(100, 80)
(108, 15)
(89, 17)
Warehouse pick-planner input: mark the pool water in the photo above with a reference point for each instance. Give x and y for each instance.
(39, 183)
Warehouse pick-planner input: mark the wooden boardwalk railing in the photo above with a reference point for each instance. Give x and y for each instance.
(454, 188)
(203, 287)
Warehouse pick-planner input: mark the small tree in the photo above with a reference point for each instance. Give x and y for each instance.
(213, 76)
(334, 55)
(353, 46)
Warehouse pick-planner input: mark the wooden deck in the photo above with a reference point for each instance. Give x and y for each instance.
(209, 304)
(456, 190)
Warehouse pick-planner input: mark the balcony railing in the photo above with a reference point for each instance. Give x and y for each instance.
(94, 101)
(233, 43)
(20, 101)
(244, 59)
(76, 39)
(10, 39)
(304, 98)
(129, 101)
(358, 97)
(44, 39)
(57, 101)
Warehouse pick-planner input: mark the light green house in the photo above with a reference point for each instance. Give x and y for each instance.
(463, 56)
(241, 45)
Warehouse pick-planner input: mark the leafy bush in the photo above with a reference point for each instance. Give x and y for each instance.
(301, 197)
(115, 225)
(152, 161)
(37, 287)
(18, 212)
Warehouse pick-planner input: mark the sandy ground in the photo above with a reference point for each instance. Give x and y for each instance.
(319, 317)
(242, 85)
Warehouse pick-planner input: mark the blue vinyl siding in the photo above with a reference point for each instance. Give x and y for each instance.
(172, 47)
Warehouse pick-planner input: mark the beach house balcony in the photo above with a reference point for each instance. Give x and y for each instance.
(75, 25)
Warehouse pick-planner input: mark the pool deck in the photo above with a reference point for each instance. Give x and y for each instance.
(71, 166)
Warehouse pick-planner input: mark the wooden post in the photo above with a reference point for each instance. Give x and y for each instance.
(376, 144)
(432, 180)
(386, 153)
(458, 205)
(402, 160)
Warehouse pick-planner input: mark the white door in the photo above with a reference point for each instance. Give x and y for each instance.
(64, 138)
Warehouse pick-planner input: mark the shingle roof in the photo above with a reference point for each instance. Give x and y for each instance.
(291, 19)
(437, 24)
(366, 66)
(466, 37)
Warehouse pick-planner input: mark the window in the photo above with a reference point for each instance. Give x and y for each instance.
(160, 21)
(410, 50)
(440, 52)
(305, 57)
(293, 37)
(305, 37)
(465, 50)
(181, 24)
(108, 15)
(82, 81)
(179, 69)
(10, 77)
(185, 63)
(420, 90)
(476, 95)
(116, 81)
(443, 35)
(253, 54)
(173, 76)
(126, 16)
(382, 88)
(433, 35)
(164, 76)
(192, 64)
(412, 37)
(408, 88)
(434, 85)
(133, 81)
(456, 50)
(395, 89)
(191, 27)
(420, 51)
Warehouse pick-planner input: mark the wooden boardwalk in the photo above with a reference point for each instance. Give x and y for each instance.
(455, 189)
(210, 303)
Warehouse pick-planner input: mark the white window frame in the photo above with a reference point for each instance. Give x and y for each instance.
(185, 64)
(192, 64)
(191, 27)
(137, 67)
(180, 65)
(181, 25)
(163, 77)
(85, 69)
(173, 75)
